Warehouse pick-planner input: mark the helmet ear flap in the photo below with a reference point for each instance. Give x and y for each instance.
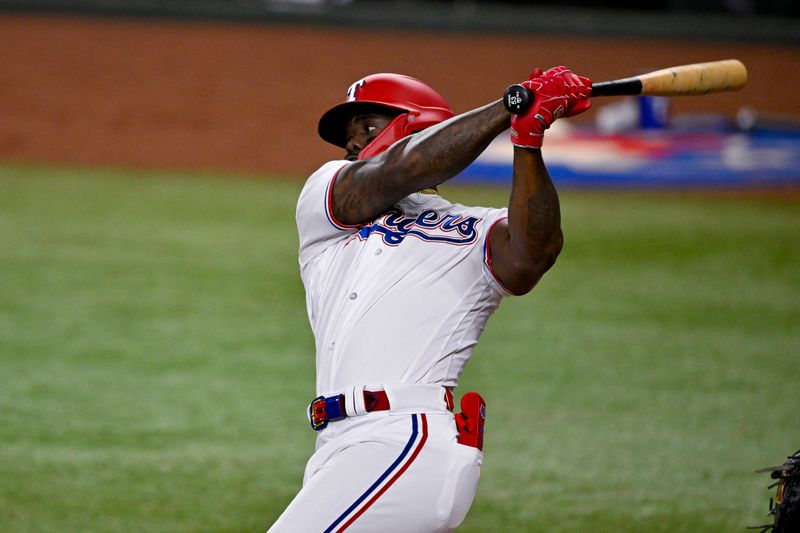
(399, 127)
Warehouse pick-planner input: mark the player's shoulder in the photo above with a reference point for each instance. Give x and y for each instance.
(318, 182)
(328, 169)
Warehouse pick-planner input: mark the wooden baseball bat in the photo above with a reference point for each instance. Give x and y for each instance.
(694, 79)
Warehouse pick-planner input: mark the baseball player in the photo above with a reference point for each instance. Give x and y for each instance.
(400, 283)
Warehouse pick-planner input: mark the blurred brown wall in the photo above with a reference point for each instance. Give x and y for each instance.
(246, 98)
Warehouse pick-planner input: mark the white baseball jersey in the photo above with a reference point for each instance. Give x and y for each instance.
(402, 299)
(396, 305)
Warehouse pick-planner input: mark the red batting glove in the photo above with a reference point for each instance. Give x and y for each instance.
(556, 93)
(580, 87)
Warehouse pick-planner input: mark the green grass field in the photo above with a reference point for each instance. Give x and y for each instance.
(156, 360)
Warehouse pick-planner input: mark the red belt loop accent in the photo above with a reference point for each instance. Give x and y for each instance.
(376, 401)
(448, 399)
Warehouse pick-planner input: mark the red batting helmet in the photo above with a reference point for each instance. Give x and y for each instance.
(391, 94)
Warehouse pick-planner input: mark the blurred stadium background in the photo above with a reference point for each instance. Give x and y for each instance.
(155, 358)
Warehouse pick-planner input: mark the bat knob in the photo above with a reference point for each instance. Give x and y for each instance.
(516, 99)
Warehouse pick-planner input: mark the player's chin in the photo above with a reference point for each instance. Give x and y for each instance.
(351, 156)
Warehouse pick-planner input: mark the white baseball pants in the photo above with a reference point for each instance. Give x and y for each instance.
(385, 472)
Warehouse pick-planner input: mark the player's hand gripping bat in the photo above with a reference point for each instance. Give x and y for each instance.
(695, 79)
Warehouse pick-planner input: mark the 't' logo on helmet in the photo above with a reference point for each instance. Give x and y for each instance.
(352, 92)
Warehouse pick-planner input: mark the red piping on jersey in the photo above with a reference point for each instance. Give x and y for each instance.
(329, 205)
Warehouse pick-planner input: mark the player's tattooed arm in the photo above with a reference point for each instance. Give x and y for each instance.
(527, 244)
(365, 189)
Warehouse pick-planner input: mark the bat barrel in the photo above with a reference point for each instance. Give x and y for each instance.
(695, 79)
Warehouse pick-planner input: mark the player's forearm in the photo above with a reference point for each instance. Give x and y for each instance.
(534, 216)
(442, 151)
(367, 188)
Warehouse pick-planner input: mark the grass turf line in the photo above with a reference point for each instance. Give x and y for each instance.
(156, 360)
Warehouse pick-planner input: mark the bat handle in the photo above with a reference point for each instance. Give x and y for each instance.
(517, 99)
(623, 87)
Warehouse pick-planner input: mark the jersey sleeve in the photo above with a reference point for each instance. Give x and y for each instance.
(316, 226)
(491, 219)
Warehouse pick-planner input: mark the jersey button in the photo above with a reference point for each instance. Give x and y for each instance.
(378, 251)
(353, 296)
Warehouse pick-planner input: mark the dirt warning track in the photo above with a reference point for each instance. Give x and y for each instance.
(246, 98)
